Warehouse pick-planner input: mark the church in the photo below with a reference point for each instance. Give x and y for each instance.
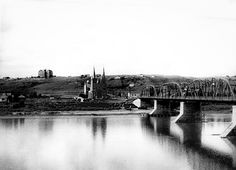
(96, 88)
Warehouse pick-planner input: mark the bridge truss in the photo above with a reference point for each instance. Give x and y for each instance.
(200, 88)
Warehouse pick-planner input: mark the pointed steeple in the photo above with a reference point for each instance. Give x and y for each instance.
(91, 91)
(103, 77)
(103, 72)
(94, 74)
(104, 84)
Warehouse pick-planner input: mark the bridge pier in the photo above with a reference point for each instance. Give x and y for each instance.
(231, 130)
(162, 108)
(189, 112)
(155, 109)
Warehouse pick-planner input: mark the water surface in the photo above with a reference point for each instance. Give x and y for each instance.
(114, 143)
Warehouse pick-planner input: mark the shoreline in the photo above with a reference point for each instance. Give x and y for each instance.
(76, 113)
(92, 113)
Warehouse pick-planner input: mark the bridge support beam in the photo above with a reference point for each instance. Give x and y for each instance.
(190, 112)
(231, 129)
(161, 109)
(155, 109)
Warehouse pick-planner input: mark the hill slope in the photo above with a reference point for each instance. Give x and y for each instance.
(117, 85)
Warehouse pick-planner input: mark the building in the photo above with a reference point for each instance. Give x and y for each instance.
(96, 87)
(45, 73)
(133, 95)
(49, 73)
(6, 78)
(5, 97)
(41, 74)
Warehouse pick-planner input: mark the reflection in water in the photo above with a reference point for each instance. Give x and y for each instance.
(12, 123)
(94, 127)
(188, 133)
(157, 125)
(112, 143)
(99, 123)
(190, 137)
(232, 144)
(103, 127)
(46, 125)
(218, 117)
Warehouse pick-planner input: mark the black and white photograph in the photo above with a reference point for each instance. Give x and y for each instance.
(117, 85)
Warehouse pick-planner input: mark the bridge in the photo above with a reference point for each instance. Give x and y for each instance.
(189, 96)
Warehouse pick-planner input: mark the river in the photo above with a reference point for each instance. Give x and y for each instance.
(115, 143)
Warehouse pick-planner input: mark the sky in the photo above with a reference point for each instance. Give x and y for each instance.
(184, 37)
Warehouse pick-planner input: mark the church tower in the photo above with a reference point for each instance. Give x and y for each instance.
(103, 81)
(98, 86)
(103, 85)
(92, 81)
(94, 74)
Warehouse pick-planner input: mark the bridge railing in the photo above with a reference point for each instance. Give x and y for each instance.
(210, 98)
(212, 89)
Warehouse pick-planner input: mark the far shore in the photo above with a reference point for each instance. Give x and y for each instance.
(78, 113)
(100, 113)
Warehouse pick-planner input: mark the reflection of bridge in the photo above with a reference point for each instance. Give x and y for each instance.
(190, 95)
(187, 139)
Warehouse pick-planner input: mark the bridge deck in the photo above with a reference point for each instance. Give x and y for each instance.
(230, 100)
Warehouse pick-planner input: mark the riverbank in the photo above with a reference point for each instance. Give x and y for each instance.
(76, 113)
(51, 107)
(47, 114)
(55, 106)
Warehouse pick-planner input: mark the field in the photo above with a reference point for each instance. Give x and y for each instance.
(64, 86)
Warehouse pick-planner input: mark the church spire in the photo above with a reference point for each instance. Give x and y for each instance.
(104, 84)
(91, 91)
(94, 74)
(103, 72)
(103, 77)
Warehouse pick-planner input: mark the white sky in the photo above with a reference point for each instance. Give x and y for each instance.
(170, 37)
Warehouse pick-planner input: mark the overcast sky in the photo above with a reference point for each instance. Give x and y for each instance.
(170, 37)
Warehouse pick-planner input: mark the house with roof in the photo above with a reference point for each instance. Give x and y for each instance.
(4, 97)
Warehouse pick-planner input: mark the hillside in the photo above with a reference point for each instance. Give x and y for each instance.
(118, 85)
(63, 89)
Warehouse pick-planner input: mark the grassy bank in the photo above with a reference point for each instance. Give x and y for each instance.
(45, 104)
